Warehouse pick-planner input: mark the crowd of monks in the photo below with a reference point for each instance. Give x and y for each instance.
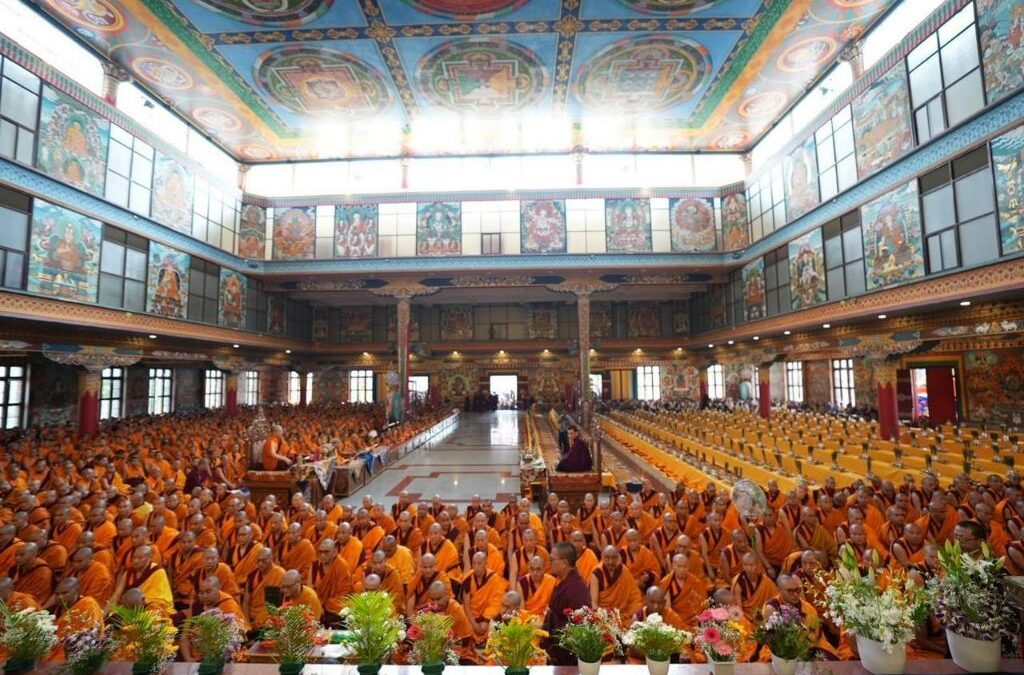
(155, 513)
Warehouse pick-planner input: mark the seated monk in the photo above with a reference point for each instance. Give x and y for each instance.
(731, 558)
(712, 539)
(612, 586)
(752, 588)
(74, 612)
(535, 588)
(213, 567)
(419, 587)
(640, 561)
(212, 597)
(939, 520)
(267, 575)
(368, 532)
(519, 557)
(31, 575)
(388, 580)
(399, 557)
(481, 544)
(481, 592)
(656, 602)
(407, 534)
(294, 592)
(446, 556)
(150, 579)
(9, 545)
(50, 552)
(182, 566)
(438, 600)
(684, 547)
(791, 592)
(241, 557)
(748, 651)
(331, 578)
(296, 552)
(14, 600)
(687, 593)
(94, 579)
(321, 528)
(586, 561)
(275, 451)
(349, 548)
(810, 534)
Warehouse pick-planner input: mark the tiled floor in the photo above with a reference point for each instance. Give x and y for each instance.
(478, 456)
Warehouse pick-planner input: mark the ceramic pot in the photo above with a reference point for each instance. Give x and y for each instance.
(18, 666)
(143, 668)
(974, 656)
(517, 670)
(210, 668)
(784, 666)
(290, 668)
(875, 658)
(435, 668)
(722, 667)
(368, 668)
(588, 668)
(655, 667)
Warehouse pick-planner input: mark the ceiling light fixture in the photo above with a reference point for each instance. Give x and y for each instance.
(732, 342)
(287, 351)
(965, 303)
(786, 332)
(883, 316)
(826, 325)
(235, 346)
(152, 337)
(756, 338)
(711, 346)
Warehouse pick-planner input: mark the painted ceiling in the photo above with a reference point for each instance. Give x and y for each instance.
(273, 80)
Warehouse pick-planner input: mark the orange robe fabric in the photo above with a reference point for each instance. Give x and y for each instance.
(485, 594)
(642, 562)
(298, 556)
(333, 583)
(36, 581)
(308, 598)
(85, 614)
(617, 591)
(777, 543)
(687, 597)
(586, 563)
(935, 532)
(96, 583)
(752, 595)
(536, 596)
(257, 585)
(243, 563)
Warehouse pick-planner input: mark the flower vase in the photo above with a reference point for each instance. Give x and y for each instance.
(586, 668)
(974, 656)
(781, 666)
(433, 668)
(368, 668)
(290, 668)
(875, 658)
(655, 667)
(517, 670)
(17, 666)
(144, 668)
(722, 667)
(210, 668)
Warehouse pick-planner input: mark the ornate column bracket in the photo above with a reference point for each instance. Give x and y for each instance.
(94, 358)
(243, 175)
(854, 55)
(404, 291)
(113, 76)
(582, 287)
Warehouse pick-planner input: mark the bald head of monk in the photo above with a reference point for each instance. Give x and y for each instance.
(790, 589)
(209, 592)
(751, 565)
(26, 556)
(633, 540)
(294, 533)
(66, 592)
(7, 533)
(389, 545)
(133, 598)
(291, 585)
(6, 588)
(723, 597)
(479, 563)
(437, 593)
(611, 559)
(371, 582)
(435, 534)
(142, 557)
(578, 541)
(428, 564)
(654, 598)
(327, 552)
(511, 603)
(680, 566)
(859, 534)
(344, 533)
(378, 563)
(211, 559)
(264, 560)
(81, 559)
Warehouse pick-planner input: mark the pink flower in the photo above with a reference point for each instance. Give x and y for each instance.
(735, 613)
(720, 614)
(711, 635)
(705, 616)
(724, 649)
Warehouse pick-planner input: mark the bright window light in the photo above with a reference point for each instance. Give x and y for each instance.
(217, 163)
(904, 18)
(133, 102)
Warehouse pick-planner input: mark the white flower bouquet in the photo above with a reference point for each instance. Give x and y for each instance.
(655, 639)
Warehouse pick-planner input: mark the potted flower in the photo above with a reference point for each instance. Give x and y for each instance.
(216, 636)
(375, 629)
(720, 636)
(144, 637)
(883, 621)
(657, 641)
(86, 651)
(514, 643)
(589, 636)
(787, 638)
(26, 636)
(432, 637)
(973, 604)
(291, 632)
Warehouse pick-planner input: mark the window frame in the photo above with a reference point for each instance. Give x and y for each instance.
(136, 180)
(840, 228)
(648, 383)
(213, 389)
(825, 136)
(361, 386)
(160, 402)
(418, 394)
(202, 300)
(112, 387)
(777, 281)
(129, 244)
(9, 406)
(795, 382)
(6, 80)
(844, 392)
(250, 387)
(716, 382)
(19, 203)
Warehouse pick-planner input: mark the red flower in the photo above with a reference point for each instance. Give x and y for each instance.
(567, 611)
(414, 632)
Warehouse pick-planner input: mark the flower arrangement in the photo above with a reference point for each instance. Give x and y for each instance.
(143, 636)
(27, 636)
(970, 598)
(514, 643)
(786, 635)
(86, 651)
(590, 634)
(375, 628)
(857, 604)
(432, 635)
(655, 639)
(291, 632)
(216, 635)
(720, 634)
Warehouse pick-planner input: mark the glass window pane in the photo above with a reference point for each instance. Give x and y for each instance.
(922, 51)
(13, 228)
(23, 153)
(111, 290)
(828, 184)
(978, 241)
(974, 195)
(833, 251)
(949, 256)
(14, 270)
(139, 200)
(847, 172)
(19, 105)
(965, 98)
(119, 158)
(934, 254)
(852, 244)
(826, 155)
(135, 264)
(924, 131)
(142, 171)
(925, 80)
(117, 189)
(936, 120)
(8, 136)
(134, 295)
(20, 75)
(960, 56)
(855, 278)
(112, 257)
(836, 287)
(938, 209)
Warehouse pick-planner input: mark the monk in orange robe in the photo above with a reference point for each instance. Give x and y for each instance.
(810, 534)
(211, 597)
(640, 561)
(9, 545)
(438, 595)
(349, 548)
(94, 579)
(939, 521)
(419, 587)
(254, 594)
(482, 591)
(712, 539)
(400, 558)
(519, 557)
(687, 593)
(14, 600)
(908, 550)
(694, 561)
(65, 532)
(275, 451)
(388, 580)
(586, 561)
(241, 558)
(535, 587)
(296, 552)
(752, 588)
(294, 592)
(407, 534)
(445, 554)
(31, 575)
(74, 612)
(791, 593)
(772, 542)
(331, 578)
(481, 544)
(612, 586)
(143, 574)
(369, 532)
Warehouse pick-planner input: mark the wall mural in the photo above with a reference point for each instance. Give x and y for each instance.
(691, 224)
(735, 233)
(995, 385)
(73, 142)
(627, 225)
(64, 253)
(171, 202)
(892, 237)
(681, 318)
(167, 290)
(457, 322)
(320, 324)
(680, 381)
(881, 121)
(543, 321)
(801, 169)
(817, 382)
(231, 308)
(252, 232)
(1008, 159)
(542, 226)
(356, 324)
(716, 315)
(439, 229)
(277, 314)
(754, 298)
(644, 319)
(294, 233)
(807, 270)
(1001, 31)
(601, 320)
(355, 230)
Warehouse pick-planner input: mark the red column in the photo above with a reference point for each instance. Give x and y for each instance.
(704, 387)
(941, 395)
(88, 402)
(231, 392)
(764, 392)
(302, 389)
(888, 407)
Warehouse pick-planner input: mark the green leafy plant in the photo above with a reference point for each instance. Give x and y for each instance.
(26, 635)
(590, 634)
(655, 639)
(785, 634)
(432, 637)
(217, 636)
(375, 628)
(143, 636)
(86, 651)
(515, 642)
(291, 632)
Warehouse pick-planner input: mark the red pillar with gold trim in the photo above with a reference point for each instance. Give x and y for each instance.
(303, 399)
(89, 401)
(888, 408)
(231, 392)
(704, 387)
(764, 392)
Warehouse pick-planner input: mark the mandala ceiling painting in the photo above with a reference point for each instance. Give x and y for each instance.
(279, 80)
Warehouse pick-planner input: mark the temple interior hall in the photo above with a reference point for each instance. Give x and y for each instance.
(296, 284)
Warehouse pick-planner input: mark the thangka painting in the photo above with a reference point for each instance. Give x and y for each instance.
(681, 318)
(167, 290)
(439, 229)
(231, 308)
(542, 226)
(73, 142)
(801, 169)
(355, 231)
(1001, 27)
(277, 314)
(627, 225)
(171, 201)
(357, 324)
(600, 319)
(807, 270)
(456, 322)
(1008, 159)
(716, 314)
(543, 321)
(881, 122)
(294, 233)
(320, 324)
(691, 224)
(754, 297)
(995, 385)
(734, 222)
(644, 319)
(252, 232)
(64, 253)
(892, 237)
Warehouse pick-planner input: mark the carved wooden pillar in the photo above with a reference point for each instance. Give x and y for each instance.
(854, 55)
(404, 309)
(583, 319)
(303, 397)
(231, 392)
(113, 76)
(764, 391)
(888, 407)
(89, 400)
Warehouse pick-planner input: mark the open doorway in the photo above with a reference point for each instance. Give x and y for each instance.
(934, 392)
(506, 388)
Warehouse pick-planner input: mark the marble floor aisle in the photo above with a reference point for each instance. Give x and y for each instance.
(478, 456)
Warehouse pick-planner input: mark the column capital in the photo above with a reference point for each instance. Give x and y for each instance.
(94, 358)
(404, 291)
(854, 55)
(885, 373)
(115, 71)
(582, 287)
(243, 174)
